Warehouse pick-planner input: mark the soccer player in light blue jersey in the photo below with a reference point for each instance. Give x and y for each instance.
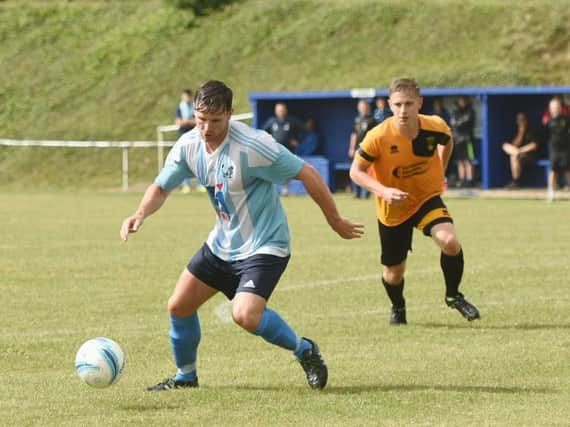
(248, 249)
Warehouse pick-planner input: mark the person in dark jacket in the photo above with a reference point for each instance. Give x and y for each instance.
(462, 125)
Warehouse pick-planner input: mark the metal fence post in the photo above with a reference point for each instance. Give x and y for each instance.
(159, 148)
(125, 168)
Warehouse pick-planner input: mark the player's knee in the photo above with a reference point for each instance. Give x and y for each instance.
(246, 317)
(394, 275)
(450, 245)
(176, 307)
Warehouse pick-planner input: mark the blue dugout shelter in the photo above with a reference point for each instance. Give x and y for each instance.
(496, 109)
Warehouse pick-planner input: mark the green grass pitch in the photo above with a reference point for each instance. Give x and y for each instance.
(65, 277)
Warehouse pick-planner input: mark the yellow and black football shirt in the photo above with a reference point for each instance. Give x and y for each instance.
(413, 166)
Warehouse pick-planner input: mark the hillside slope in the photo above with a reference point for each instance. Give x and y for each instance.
(113, 70)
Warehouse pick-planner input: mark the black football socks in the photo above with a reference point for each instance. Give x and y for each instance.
(395, 293)
(452, 267)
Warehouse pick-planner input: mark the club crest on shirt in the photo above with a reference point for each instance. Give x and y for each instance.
(228, 171)
(431, 143)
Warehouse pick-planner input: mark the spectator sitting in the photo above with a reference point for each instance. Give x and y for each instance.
(440, 110)
(285, 129)
(564, 110)
(382, 110)
(521, 150)
(310, 142)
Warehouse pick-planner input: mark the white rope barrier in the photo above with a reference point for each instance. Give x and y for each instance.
(82, 144)
(124, 145)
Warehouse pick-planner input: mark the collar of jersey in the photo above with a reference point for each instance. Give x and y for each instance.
(218, 149)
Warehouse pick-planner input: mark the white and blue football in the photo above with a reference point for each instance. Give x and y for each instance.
(99, 362)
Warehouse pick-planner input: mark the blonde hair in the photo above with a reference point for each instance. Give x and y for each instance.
(405, 84)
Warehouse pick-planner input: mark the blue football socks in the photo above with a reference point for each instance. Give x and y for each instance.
(184, 337)
(273, 329)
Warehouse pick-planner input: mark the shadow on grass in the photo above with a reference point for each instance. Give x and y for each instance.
(151, 406)
(483, 326)
(452, 388)
(371, 388)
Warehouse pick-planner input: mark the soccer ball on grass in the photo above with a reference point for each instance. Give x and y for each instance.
(99, 362)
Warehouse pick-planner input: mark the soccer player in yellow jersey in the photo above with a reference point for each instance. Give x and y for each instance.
(408, 154)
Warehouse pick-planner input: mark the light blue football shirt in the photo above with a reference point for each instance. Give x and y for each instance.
(240, 177)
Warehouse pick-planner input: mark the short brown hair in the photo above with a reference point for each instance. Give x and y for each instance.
(213, 96)
(405, 84)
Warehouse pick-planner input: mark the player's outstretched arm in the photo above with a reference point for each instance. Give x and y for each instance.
(152, 200)
(320, 193)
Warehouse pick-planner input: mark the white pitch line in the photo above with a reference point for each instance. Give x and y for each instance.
(426, 307)
(329, 282)
(223, 310)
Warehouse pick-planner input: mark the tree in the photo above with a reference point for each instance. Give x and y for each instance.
(199, 7)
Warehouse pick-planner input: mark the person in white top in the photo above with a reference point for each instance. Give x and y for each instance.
(249, 247)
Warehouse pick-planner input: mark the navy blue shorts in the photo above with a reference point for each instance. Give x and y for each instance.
(257, 274)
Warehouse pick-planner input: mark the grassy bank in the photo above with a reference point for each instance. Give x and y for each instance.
(113, 70)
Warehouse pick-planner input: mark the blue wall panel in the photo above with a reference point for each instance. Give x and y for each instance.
(335, 111)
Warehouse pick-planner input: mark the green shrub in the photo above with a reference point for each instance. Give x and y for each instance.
(199, 7)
